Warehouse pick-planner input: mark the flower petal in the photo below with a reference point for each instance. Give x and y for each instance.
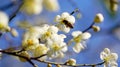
(76, 33)
(107, 51)
(86, 35)
(78, 47)
(65, 14)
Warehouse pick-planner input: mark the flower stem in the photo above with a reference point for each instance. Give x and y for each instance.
(17, 10)
(76, 10)
(88, 27)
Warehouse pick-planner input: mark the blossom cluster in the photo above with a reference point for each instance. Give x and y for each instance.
(45, 39)
(109, 58)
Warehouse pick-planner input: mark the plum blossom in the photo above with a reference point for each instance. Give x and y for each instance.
(40, 50)
(49, 32)
(32, 35)
(79, 39)
(109, 58)
(4, 19)
(64, 19)
(57, 46)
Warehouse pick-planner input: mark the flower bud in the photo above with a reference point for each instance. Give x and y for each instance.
(98, 18)
(79, 15)
(96, 28)
(14, 32)
(49, 65)
(71, 62)
(58, 65)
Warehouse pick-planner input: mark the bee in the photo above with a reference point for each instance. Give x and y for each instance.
(67, 24)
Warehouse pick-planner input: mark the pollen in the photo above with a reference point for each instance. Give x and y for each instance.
(30, 42)
(78, 38)
(1, 26)
(48, 34)
(56, 47)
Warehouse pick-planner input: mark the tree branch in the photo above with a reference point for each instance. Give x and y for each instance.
(53, 63)
(38, 56)
(15, 54)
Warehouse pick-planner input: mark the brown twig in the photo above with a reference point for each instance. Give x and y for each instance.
(17, 10)
(15, 54)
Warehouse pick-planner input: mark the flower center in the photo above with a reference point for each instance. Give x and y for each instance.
(1, 26)
(56, 47)
(30, 42)
(78, 38)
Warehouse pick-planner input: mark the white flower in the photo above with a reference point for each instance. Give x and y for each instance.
(30, 43)
(32, 35)
(49, 32)
(56, 50)
(53, 29)
(40, 50)
(55, 38)
(37, 31)
(56, 46)
(4, 19)
(51, 5)
(65, 21)
(79, 40)
(109, 58)
(32, 7)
